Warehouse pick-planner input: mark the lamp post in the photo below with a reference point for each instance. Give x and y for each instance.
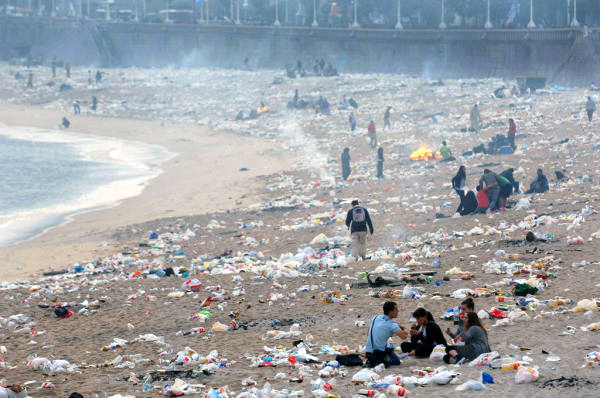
(237, 19)
(443, 23)
(167, 19)
(575, 22)
(315, 23)
(488, 22)
(287, 15)
(355, 24)
(136, 19)
(277, 23)
(398, 17)
(531, 24)
(88, 9)
(107, 10)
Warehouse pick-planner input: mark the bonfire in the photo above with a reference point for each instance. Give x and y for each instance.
(424, 153)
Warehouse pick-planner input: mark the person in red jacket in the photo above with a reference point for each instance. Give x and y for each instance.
(372, 135)
(512, 131)
(483, 202)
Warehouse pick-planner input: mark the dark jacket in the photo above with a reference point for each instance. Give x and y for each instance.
(433, 335)
(541, 183)
(508, 174)
(469, 204)
(359, 226)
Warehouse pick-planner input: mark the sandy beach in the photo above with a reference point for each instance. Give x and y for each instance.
(276, 269)
(203, 177)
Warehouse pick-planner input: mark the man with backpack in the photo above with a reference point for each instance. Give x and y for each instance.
(357, 220)
(377, 349)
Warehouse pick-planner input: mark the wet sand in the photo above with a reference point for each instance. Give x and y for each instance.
(203, 177)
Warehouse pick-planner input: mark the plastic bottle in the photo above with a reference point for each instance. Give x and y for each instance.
(367, 393)
(510, 366)
(396, 391)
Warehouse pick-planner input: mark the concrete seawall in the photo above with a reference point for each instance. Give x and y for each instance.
(566, 56)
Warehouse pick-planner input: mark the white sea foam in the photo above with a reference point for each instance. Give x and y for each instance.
(135, 164)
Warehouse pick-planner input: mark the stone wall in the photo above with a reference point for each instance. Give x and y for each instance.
(568, 56)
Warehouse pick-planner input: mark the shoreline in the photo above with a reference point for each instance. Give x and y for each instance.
(186, 185)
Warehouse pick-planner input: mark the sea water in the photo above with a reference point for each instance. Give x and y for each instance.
(47, 176)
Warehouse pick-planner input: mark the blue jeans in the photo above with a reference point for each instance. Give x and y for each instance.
(493, 194)
(391, 360)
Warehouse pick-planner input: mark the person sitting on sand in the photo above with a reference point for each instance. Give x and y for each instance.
(483, 201)
(469, 205)
(446, 153)
(475, 338)
(539, 184)
(425, 335)
(382, 327)
(65, 122)
(465, 307)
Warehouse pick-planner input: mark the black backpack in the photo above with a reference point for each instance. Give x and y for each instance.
(349, 360)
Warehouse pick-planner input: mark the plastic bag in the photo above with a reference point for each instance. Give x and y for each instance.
(438, 353)
(191, 285)
(443, 378)
(473, 385)
(365, 376)
(8, 393)
(484, 359)
(526, 375)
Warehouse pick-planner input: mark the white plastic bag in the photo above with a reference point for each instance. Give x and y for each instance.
(443, 378)
(526, 375)
(473, 385)
(438, 353)
(484, 359)
(365, 376)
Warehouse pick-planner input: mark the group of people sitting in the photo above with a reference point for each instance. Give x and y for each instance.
(493, 190)
(469, 341)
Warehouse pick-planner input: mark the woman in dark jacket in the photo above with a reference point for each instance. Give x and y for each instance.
(458, 183)
(425, 335)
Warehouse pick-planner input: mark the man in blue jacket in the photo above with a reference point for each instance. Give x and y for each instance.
(357, 220)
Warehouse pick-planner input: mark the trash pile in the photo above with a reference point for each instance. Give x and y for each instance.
(266, 300)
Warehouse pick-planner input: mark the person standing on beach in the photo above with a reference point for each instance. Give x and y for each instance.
(53, 66)
(68, 70)
(346, 170)
(94, 103)
(512, 132)
(352, 121)
(492, 187)
(380, 162)
(76, 108)
(386, 118)
(590, 108)
(475, 118)
(372, 133)
(357, 220)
